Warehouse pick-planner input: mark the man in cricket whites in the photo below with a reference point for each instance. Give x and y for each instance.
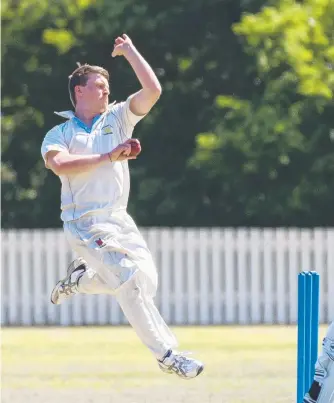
(89, 153)
(322, 388)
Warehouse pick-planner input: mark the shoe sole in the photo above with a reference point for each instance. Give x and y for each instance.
(54, 294)
(200, 370)
(187, 378)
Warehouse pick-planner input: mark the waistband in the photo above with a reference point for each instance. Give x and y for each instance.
(98, 213)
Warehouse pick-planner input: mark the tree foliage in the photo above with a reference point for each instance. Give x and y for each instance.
(242, 134)
(273, 151)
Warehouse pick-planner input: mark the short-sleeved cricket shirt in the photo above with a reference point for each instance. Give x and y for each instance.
(107, 186)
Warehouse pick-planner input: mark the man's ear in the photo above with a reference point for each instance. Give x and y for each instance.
(78, 91)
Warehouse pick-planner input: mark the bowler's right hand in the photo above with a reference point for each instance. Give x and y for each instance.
(121, 153)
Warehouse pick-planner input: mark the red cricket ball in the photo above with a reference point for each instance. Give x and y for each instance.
(135, 147)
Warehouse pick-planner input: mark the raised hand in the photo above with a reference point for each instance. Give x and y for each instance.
(121, 46)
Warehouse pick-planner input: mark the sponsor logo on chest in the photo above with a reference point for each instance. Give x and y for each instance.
(107, 130)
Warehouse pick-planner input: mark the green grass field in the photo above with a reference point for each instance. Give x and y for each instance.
(109, 364)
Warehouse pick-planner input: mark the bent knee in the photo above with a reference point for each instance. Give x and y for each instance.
(118, 268)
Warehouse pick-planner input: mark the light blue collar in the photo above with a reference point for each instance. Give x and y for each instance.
(71, 115)
(83, 125)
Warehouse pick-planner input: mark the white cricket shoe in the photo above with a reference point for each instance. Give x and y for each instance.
(68, 286)
(184, 367)
(308, 399)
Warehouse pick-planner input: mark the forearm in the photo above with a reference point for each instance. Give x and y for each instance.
(143, 71)
(66, 164)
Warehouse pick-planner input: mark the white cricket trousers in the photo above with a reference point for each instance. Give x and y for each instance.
(121, 264)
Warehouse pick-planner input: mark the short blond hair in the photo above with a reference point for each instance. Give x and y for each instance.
(80, 77)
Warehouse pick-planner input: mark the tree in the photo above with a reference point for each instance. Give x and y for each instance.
(273, 152)
(180, 42)
(242, 132)
(32, 71)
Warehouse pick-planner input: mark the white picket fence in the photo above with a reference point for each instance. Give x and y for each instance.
(207, 276)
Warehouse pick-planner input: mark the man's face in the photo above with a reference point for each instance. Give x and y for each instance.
(95, 94)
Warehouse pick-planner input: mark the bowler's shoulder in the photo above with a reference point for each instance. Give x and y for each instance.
(115, 113)
(120, 109)
(63, 126)
(122, 112)
(115, 107)
(60, 133)
(57, 130)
